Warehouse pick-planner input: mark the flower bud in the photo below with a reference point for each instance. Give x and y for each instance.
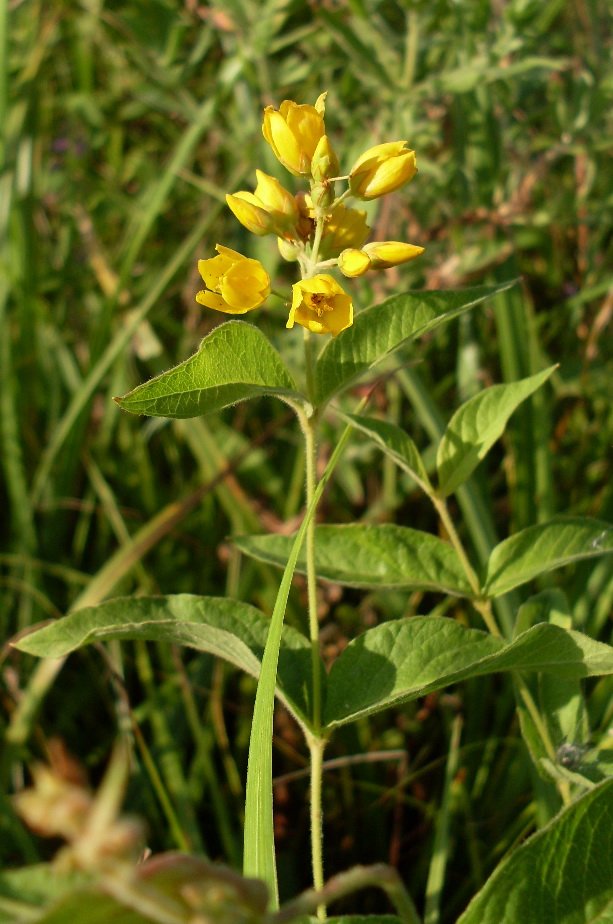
(293, 133)
(250, 214)
(287, 250)
(324, 164)
(383, 254)
(381, 170)
(322, 196)
(353, 262)
(271, 209)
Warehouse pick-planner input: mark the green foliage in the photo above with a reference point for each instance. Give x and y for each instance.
(555, 875)
(372, 556)
(399, 661)
(381, 329)
(543, 547)
(475, 427)
(225, 628)
(235, 362)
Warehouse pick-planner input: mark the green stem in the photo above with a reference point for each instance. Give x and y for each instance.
(316, 744)
(483, 607)
(316, 749)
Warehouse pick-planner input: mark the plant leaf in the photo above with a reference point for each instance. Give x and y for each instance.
(542, 548)
(395, 443)
(475, 427)
(562, 873)
(401, 660)
(559, 700)
(235, 362)
(228, 629)
(358, 555)
(380, 329)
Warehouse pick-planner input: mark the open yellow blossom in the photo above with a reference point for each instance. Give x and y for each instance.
(234, 284)
(377, 255)
(293, 132)
(320, 305)
(382, 169)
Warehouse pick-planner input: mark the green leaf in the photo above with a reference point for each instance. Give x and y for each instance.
(399, 661)
(394, 442)
(225, 628)
(559, 700)
(235, 362)
(475, 427)
(359, 555)
(561, 874)
(381, 329)
(542, 548)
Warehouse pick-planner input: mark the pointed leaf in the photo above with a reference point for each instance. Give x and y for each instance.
(395, 443)
(235, 362)
(379, 330)
(560, 874)
(542, 548)
(228, 629)
(371, 556)
(401, 660)
(475, 427)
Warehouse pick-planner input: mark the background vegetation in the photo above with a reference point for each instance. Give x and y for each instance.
(123, 126)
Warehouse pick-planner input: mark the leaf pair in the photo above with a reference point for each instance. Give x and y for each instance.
(391, 664)
(400, 557)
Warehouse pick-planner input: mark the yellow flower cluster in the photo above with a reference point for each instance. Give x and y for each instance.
(314, 228)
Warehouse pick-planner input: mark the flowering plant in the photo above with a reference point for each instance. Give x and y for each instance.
(395, 662)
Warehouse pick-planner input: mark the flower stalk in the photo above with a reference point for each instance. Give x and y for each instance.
(313, 229)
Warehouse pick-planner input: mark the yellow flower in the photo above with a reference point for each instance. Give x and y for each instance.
(320, 305)
(346, 227)
(293, 133)
(234, 284)
(377, 255)
(381, 170)
(271, 209)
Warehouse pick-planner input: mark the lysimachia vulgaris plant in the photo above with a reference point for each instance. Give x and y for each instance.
(321, 235)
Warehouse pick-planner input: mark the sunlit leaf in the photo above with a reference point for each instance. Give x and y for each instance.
(395, 443)
(475, 427)
(383, 328)
(235, 362)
